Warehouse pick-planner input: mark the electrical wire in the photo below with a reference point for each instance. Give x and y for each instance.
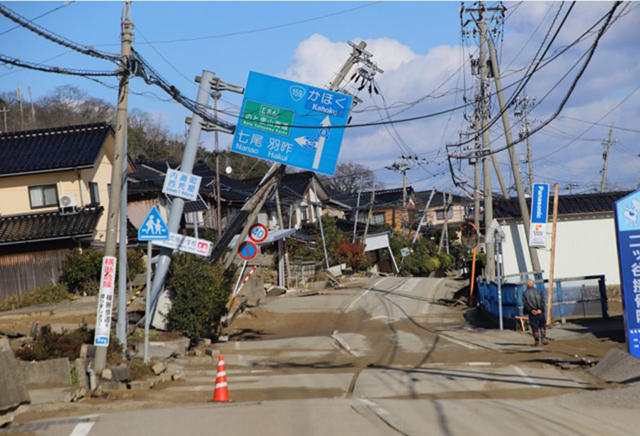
(64, 5)
(53, 69)
(51, 36)
(262, 29)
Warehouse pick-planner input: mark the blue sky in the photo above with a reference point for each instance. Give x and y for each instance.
(417, 43)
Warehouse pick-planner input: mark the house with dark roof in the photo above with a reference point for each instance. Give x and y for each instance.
(385, 206)
(54, 192)
(297, 197)
(585, 240)
(442, 204)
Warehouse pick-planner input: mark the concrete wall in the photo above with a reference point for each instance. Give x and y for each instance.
(12, 387)
(584, 246)
(54, 371)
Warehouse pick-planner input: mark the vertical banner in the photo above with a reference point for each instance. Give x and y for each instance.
(539, 215)
(628, 235)
(105, 302)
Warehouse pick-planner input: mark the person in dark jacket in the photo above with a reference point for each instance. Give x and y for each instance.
(534, 306)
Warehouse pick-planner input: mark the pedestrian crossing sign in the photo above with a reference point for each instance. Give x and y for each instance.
(153, 227)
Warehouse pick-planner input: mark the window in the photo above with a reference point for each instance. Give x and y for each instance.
(43, 196)
(303, 214)
(440, 213)
(95, 193)
(377, 219)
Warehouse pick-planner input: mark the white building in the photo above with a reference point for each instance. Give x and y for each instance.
(585, 243)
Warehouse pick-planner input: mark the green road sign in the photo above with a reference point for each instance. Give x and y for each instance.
(268, 118)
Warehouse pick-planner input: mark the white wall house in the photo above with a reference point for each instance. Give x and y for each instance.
(585, 243)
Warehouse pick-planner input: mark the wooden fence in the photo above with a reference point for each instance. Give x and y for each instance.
(20, 272)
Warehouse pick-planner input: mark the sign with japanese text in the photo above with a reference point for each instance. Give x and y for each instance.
(289, 123)
(186, 244)
(539, 215)
(105, 302)
(181, 185)
(627, 212)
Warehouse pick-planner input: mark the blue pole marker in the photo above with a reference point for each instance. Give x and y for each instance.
(627, 211)
(290, 123)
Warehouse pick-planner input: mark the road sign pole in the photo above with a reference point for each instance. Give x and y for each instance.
(147, 305)
(188, 160)
(235, 288)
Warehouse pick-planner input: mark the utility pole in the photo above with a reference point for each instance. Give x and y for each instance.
(216, 96)
(424, 215)
(4, 111)
(33, 109)
(524, 209)
(371, 202)
(605, 156)
(523, 107)
(490, 267)
(105, 297)
(402, 168)
(355, 221)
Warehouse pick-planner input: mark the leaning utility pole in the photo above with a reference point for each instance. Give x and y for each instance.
(371, 203)
(490, 266)
(522, 201)
(605, 156)
(216, 96)
(107, 281)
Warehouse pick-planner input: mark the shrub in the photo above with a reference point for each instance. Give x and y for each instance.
(135, 263)
(81, 271)
(200, 292)
(66, 344)
(352, 254)
(47, 294)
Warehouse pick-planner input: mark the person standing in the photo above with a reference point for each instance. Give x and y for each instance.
(534, 306)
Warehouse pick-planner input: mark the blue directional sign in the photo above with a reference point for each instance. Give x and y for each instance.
(289, 123)
(153, 228)
(628, 234)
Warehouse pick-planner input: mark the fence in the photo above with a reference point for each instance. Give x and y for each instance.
(572, 297)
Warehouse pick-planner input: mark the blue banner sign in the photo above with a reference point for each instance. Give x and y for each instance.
(628, 234)
(539, 215)
(289, 123)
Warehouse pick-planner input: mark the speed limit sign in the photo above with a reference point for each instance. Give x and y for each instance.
(258, 233)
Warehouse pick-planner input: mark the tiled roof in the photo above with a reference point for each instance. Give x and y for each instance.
(437, 200)
(567, 204)
(384, 198)
(53, 149)
(50, 225)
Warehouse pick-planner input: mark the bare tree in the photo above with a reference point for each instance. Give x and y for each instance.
(349, 175)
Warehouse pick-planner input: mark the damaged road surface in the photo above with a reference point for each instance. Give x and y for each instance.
(387, 357)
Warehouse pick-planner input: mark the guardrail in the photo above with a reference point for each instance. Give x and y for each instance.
(573, 297)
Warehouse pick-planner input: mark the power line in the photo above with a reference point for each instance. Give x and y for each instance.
(53, 69)
(38, 17)
(603, 125)
(51, 36)
(262, 29)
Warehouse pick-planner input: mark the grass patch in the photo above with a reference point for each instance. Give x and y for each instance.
(48, 294)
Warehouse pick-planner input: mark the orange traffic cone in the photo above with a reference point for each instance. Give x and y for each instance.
(221, 392)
